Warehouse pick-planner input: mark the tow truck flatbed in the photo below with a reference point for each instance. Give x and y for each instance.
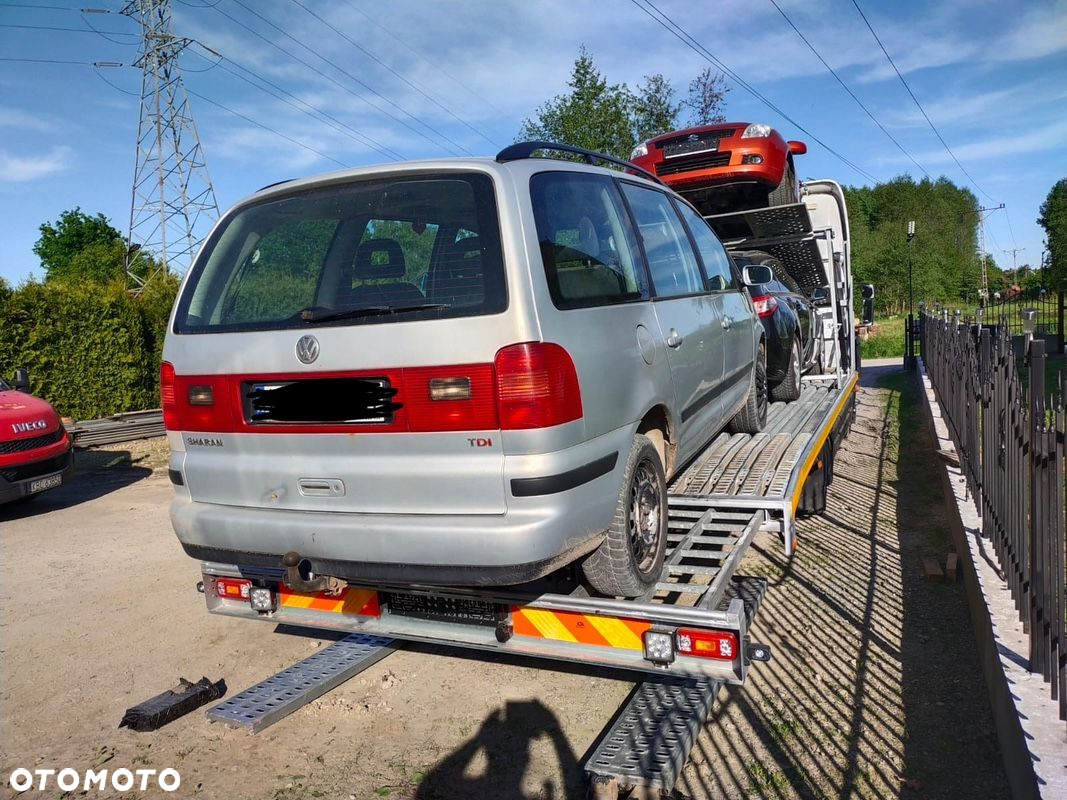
(737, 486)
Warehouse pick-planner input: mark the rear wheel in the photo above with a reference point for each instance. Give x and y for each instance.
(788, 389)
(753, 414)
(630, 559)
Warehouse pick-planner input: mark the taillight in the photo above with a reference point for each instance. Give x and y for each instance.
(168, 397)
(459, 398)
(765, 304)
(721, 645)
(536, 386)
(232, 588)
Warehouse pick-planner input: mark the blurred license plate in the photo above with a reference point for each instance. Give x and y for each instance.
(686, 147)
(51, 482)
(444, 609)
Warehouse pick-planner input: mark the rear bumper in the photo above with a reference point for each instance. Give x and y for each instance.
(549, 522)
(27, 476)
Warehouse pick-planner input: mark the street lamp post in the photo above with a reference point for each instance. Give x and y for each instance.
(910, 355)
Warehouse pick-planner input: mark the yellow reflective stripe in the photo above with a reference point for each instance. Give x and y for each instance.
(547, 625)
(297, 600)
(822, 439)
(616, 632)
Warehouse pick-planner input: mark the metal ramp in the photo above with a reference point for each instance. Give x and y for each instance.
(293, 688)
(649, 741)
(785, 232)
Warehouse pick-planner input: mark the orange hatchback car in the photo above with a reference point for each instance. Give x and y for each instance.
(730, 166)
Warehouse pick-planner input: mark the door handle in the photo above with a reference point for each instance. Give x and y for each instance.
(675, 339)
(726, 323)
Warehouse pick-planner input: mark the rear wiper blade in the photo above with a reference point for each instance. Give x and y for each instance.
(327, 314)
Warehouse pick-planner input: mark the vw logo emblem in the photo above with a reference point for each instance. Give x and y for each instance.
(307, 349)
(693, 138)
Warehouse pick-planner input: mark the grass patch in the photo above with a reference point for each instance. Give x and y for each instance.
(887, 339)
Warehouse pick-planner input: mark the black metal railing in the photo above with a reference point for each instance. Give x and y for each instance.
(1010, 437)
(1047, 307)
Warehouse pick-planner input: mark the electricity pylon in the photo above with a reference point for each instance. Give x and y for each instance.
(171, 187)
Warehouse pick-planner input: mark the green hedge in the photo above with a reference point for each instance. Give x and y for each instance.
(91, 350)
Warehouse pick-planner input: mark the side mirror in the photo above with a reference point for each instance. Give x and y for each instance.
(797, 148)
(755, 274)
(820, 296)
(22, 380)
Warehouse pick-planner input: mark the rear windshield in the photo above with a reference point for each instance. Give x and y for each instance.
(368, 252)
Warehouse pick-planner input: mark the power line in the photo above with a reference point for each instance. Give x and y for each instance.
(70, 30)
(267, 128)
(381, 63)
(918, 104)
(310, 110)
(441, 137)
(678, 32)
(847, 89)
(49, 61)
(423, 58)
(31, 5)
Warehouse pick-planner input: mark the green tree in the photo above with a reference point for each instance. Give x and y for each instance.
(611, 118)
(1054, 220)
(79, 247)
(655, 110)
(707, 98)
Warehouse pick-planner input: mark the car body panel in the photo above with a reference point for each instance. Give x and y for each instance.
(35, 449)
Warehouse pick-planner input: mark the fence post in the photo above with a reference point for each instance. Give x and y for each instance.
(1037, 533)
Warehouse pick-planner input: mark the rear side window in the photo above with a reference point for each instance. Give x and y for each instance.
(712, 253)
(587, 244)
(671, 260)
(368, 252)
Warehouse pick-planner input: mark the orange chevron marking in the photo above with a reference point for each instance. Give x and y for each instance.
(570, 626)
(352, 601)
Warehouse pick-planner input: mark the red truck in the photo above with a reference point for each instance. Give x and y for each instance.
(35, 450)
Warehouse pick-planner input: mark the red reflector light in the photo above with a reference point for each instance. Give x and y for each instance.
(232, 588)
(168, 397)
(721, 645)
(537, 386)
(765, 305)
(458, 398)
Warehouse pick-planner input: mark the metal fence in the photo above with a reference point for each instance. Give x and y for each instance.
(1048, 308)
(1010, 438)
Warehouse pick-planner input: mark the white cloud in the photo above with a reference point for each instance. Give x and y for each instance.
(16, 169)
(1013, 143)
(23, 120)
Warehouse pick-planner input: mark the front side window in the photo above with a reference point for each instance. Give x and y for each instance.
(671, 260)
(712, 253)
(587, 244)
(376, 251)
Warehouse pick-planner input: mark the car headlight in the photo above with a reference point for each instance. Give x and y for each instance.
(639, 151)
(756, 130)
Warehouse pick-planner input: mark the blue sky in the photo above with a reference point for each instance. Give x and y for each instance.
(461, 76)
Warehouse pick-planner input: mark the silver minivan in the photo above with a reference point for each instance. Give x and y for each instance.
(453, 372)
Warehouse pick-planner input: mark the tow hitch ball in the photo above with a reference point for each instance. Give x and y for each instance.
(296, 581)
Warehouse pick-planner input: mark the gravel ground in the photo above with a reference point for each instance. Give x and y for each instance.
(874, 691)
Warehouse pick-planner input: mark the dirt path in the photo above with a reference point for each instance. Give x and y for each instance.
(874, 687)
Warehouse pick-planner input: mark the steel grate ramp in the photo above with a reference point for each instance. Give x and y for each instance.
(280, 695)
(649, 741)
(758, 465)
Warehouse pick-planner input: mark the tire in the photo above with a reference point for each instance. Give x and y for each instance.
(630, 559)
(784, 193)
(788, 389)
(753, 414)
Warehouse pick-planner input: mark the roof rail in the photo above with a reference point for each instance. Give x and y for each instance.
(522, 150)
(276, 183)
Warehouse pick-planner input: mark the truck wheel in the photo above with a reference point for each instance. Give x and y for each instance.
(788, 389)
(784, 193)
(753, 414)
(630, 559)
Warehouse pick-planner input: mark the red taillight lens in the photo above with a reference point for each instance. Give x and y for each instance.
(721, 645)
(449, 398)
(232, 588)
(536, 386)
(765, 305)
(168, 396)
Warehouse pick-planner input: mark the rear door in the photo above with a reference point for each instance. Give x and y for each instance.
(688, 318)
(733, 306)
(333, 351)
